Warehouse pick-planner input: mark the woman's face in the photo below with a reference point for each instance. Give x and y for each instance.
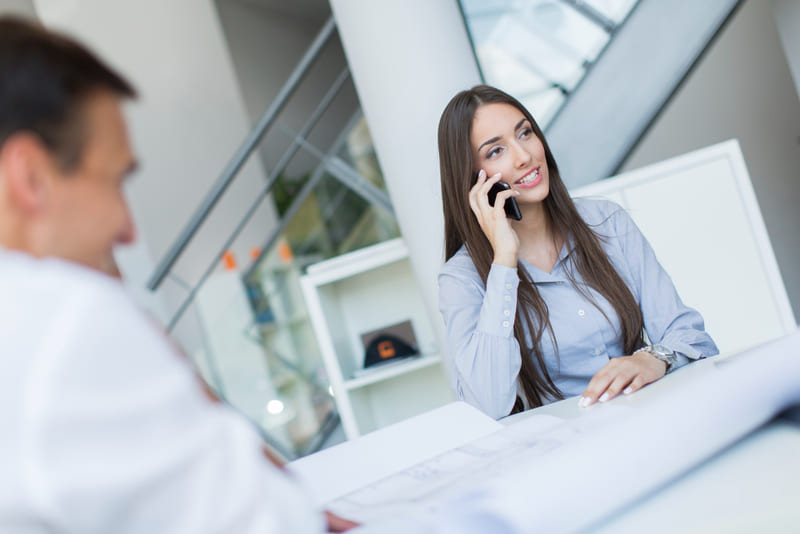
(503, 142)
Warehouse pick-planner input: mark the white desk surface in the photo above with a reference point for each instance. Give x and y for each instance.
(568, 408)
(752, 486)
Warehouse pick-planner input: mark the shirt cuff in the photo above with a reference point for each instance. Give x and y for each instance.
(683, 349)
(681, 360)
(684, 354)
(500, 302)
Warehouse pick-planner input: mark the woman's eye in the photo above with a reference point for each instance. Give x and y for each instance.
(493, 152)
(525, 133)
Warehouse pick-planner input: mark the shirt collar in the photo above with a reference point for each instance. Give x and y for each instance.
(558, 274)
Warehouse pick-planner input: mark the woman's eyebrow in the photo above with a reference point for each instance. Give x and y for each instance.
(497, 138)
(489, 142)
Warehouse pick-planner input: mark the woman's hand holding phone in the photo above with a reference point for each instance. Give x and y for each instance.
(510, 205)
(493, 219)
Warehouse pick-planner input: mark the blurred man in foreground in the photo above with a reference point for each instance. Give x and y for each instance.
(105, 427)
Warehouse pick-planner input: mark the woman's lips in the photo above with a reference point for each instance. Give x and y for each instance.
(532, 179)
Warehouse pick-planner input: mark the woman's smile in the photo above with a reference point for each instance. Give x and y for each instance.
(531, 179)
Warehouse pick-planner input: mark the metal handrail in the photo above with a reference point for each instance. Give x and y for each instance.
(316, 176)
(279, 168)
(350, 177)
(593, 14)
(240, 157)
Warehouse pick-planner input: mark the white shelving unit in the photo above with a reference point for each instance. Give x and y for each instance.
(357, 293)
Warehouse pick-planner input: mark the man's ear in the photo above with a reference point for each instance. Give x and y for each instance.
(26, 168)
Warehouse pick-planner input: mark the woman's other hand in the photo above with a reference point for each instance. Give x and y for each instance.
(493, 219)
(625, 374)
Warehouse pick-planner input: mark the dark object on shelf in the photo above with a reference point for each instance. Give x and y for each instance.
(387, 347)
(389, 343)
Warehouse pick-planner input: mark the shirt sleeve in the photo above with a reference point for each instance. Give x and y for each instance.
(479, 328)
(666, 319)
(124, 440)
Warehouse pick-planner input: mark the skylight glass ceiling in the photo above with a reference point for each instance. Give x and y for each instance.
(539, 50)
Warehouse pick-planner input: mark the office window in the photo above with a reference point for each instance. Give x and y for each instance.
(540, 50)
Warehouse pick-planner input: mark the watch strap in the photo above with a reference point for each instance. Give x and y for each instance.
(665, 354)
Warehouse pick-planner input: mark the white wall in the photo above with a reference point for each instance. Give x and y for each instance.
(188, 121)
(742, 89)
(17, 7)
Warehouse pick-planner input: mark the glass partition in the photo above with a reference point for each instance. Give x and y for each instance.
(311, 190)
(540, 50)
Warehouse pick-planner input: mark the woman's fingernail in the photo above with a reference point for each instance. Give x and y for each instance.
(584, 402)
(482, 174)
(604, 397)
(627, 391)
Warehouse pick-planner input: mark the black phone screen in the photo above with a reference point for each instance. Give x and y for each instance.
(511, 207)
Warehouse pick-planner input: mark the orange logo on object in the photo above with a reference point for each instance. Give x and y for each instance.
(386, 349)
(229, 260)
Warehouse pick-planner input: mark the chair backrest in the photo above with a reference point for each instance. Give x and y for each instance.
(700, 214)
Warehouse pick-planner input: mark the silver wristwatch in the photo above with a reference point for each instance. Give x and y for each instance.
(662, 353)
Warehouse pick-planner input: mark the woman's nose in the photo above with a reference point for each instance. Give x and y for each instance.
(521, 156)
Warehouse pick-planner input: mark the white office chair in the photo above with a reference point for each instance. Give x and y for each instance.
(700, 214)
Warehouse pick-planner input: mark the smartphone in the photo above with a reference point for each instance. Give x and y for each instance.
(511, 206)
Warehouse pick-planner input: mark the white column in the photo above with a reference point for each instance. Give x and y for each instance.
(23, 8)
(408, 58)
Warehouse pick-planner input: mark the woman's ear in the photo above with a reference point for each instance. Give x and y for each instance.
(25, 167)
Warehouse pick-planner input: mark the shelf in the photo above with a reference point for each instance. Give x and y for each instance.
(364, 291)
(392, 370)
(357, 262)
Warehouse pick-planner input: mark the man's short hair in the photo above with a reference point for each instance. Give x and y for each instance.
(44, 79)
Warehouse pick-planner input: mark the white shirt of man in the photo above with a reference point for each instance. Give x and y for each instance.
(104, 428)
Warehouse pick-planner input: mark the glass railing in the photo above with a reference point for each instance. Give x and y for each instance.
(240, 316)
(247, 328)
(540, 50)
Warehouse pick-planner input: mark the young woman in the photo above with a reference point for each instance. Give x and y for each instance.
(555, 304)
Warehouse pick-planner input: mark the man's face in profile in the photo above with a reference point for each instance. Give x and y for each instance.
(88, 213)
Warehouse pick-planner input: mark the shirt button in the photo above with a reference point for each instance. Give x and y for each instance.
(505, 324)
(581, 313)
(506, 313)
(598, 352)
(508, 286)
(508, 298)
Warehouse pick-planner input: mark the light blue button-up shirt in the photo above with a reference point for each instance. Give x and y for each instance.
(484, 354)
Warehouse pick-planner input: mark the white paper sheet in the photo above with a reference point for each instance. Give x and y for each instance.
(665, 436)
(545, 474)
(344, 468)
(427, 482)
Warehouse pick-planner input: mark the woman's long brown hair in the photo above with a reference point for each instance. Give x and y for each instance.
(457, 169)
